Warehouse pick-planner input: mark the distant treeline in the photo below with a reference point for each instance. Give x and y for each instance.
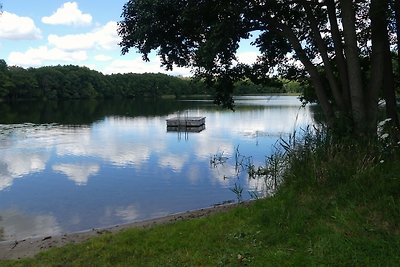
(75, 82)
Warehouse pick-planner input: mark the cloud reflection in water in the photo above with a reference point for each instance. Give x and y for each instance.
(141, 170)
(173, 161)
(17, 225)
(79, 173)
(127, 214)
(16, 165)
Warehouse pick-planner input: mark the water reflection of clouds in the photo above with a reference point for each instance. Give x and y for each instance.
(119, 141)
(223, 174)
(173, 161)
(113, 151)
(127, 214)
(17, 225)
(135, 155)
(194, 174)
(142, 144)
(79, 173)
(125, 141)
(16, 165)
(208, 146)
(113, 214)
(274, 121)
(107, 142)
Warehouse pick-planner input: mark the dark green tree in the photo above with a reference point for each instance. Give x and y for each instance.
(331, 38)
(5, 81)
(74, 82)
(24, 82)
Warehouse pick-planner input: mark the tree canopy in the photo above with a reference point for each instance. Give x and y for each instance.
(75, 82)
(343, 45)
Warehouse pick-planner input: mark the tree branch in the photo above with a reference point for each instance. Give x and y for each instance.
(339, 56)
(288, 33)
(323, 51)
(354, 67)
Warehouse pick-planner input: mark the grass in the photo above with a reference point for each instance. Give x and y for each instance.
(339, 206)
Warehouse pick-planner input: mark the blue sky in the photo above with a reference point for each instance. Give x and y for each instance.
(83, 32)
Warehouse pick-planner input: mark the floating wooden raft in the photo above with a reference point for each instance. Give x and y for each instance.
(186, 121)
(189, 124)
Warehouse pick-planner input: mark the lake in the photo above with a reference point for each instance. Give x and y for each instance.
(77, 165)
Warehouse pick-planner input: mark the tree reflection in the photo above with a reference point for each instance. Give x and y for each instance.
(1, 231)
(87, 111)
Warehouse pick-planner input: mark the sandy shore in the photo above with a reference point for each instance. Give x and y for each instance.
(31, 246)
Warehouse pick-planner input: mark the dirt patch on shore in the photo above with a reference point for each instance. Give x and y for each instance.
(31, 246)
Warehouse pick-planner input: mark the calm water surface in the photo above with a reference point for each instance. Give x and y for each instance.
(78, 165)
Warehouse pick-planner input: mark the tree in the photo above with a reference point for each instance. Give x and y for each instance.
(343, 46)
(5, 81)
(25, 83)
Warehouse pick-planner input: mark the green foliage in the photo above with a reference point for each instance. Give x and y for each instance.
(292, 86)
(203, 34)
(206, 35)
(24, 83)
(74, 82)
(274, 86)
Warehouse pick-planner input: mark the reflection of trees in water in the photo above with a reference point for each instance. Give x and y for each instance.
(1, 231)
(87, 111)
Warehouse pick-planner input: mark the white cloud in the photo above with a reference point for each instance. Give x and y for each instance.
(247, 57)
(14, 27)
(133, 65)
(107, 36)
(72, 42)
(103, 38)
(103, 58)
(139, 66)
(36, 56)
(68, 14)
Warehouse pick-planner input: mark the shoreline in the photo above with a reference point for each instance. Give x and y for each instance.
(29, 247)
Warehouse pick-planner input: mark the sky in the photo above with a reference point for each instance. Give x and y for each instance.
(83, 32)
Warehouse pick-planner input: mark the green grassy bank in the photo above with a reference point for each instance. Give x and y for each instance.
(339, 206)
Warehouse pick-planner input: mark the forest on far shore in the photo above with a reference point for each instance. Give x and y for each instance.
(75, 82)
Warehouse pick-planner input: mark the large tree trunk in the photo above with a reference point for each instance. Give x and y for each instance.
(339, 56)
(354, 68)
(397, 18)
(323, 51)
(390, 90)
(381, 63)
(378, 35)
(323, 100)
